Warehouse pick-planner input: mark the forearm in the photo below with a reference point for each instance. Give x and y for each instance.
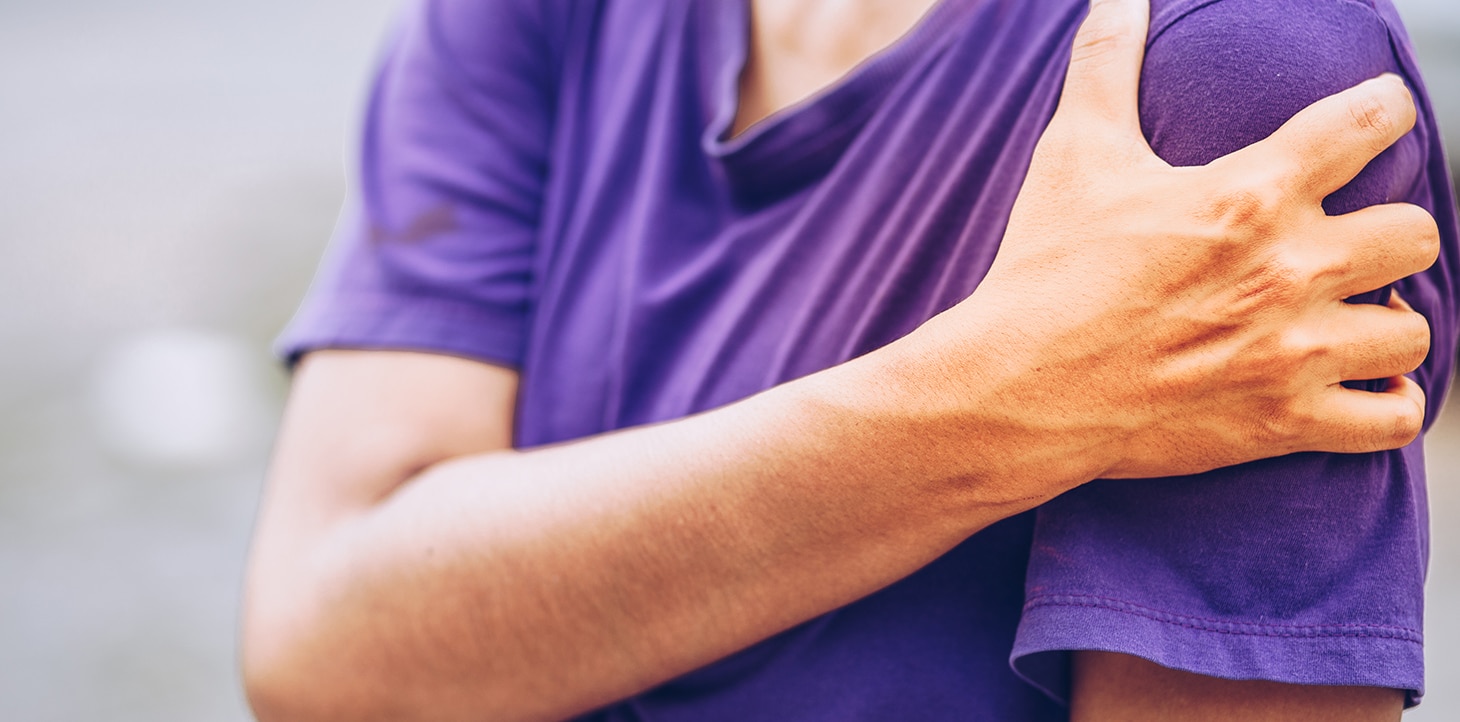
(541, 583)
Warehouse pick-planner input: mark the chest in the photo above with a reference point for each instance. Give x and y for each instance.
(681, 269)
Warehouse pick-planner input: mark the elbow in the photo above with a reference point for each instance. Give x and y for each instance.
(292, 656)
(295, 674)
(292, 673)
(267, 684)
(312, 646)
(298, 658)
(279, 680)
(269, 692)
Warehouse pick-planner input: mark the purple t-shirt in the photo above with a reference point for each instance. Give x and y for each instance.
(547, 185)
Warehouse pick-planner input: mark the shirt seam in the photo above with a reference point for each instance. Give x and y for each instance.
(476, 331)
(1222, 626)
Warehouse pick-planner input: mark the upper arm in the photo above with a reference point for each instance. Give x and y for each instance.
(1130, 689)
(435, 254)
(361, 423)
(429, 276)
(1301, 570)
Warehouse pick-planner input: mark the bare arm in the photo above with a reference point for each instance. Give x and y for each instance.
(1110, 686)
(407, 566)
(536, 584)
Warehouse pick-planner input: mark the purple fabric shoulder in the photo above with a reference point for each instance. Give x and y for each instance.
(436, 248)
(1223, 74)
(1304, 569)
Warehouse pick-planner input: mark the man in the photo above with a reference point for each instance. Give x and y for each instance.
(767, 243)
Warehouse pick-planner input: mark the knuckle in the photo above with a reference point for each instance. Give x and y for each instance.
(1285, 422)
(1278, 283)
(1419, 343)
(1414, 228)
(1293, 276)
(1250, 207)
(1100, 36)
(1425, 234)
(1407, 424)
(1373, 116)
(1301, 350)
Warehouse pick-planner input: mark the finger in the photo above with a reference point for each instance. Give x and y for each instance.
(1397, 302)
(1376, 246)
(1105, 65)
(1357, 422)
(1375, 342)
(1326, 144)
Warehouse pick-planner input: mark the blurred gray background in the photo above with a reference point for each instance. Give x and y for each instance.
(169, 174)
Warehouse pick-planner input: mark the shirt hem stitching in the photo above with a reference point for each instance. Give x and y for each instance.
(1225, 627)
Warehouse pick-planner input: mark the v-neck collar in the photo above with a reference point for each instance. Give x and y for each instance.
(800, 143)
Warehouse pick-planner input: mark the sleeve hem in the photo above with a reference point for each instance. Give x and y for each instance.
(404, 323)
(1333, 654)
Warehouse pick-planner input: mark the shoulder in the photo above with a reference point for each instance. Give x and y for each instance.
(1222, 74)
(1258, 61)
(475, 18)
(479, 40)
(483, 38)
(1311, 32)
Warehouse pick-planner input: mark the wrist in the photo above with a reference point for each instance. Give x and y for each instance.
(976, 401)
(952, 425)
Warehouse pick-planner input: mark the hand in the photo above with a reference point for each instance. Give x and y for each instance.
(1183, 319)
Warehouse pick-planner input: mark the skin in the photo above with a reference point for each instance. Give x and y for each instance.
(800, 47)
(1121, 687)
(409, 565)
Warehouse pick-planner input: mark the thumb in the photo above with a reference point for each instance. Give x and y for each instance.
(1105, 65)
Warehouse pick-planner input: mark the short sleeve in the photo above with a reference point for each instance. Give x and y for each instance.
(1306, 569)
(435, 250)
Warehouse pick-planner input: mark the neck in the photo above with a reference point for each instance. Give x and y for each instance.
(799, 47)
